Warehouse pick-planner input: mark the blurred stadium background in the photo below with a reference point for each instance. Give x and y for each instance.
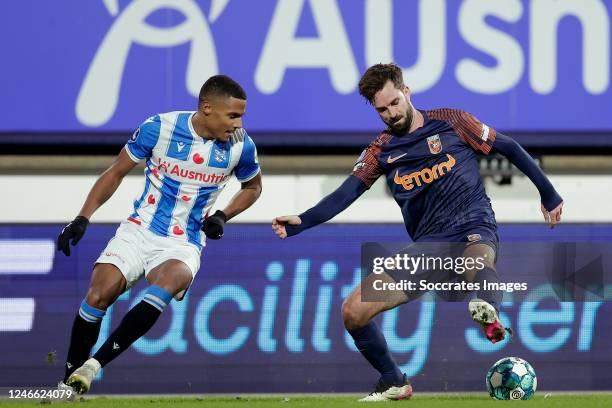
(263, 315)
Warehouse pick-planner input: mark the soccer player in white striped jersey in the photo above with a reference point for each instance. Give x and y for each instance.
(189, 157)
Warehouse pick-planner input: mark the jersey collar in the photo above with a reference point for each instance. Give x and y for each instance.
(194, 134)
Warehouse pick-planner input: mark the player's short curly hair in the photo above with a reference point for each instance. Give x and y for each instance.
(375, 78)
(221, 85)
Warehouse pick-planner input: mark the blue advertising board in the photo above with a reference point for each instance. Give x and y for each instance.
(263, 315)
(105, 66)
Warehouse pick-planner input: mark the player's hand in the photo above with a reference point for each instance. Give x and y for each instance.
(74, 231)
(278, 224)
(213, 225)
(553, 217)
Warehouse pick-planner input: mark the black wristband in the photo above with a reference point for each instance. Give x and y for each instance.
(221, 215)
(81, 220)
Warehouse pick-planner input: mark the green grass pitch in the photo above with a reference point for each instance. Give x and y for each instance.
(426, 400)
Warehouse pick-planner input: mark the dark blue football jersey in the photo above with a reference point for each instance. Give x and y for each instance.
(433, 172)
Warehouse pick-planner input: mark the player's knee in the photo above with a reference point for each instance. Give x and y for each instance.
(484, 258)
(351, 316)
(482, 254)
(98, 298)
(174, 285)
(173, 276)
(172, 288)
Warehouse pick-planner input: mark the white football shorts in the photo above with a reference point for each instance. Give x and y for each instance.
(136, 251)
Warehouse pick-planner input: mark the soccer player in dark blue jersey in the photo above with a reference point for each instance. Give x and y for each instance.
(429, 161)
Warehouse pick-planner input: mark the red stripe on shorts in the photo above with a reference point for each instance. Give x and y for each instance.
(134, 220)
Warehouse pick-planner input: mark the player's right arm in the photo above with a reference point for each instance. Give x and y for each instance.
(330, 206)
(139, 147)
(107, 184)
(365, 173)
(102, 190)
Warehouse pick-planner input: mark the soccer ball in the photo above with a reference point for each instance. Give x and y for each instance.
(511, 378)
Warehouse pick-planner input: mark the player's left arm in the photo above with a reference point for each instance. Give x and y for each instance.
(246, 197)
(247, 171)
(485, 139)
(552, 203)
(249, 193)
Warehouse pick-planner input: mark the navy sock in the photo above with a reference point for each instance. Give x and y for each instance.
(134, 325)
(85, 331)
(494, 297)
(373, 346)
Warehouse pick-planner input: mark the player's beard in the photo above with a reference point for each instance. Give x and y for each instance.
(405, 127)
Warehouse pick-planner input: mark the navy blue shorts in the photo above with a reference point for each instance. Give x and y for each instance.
(447, 244)
(470, 234)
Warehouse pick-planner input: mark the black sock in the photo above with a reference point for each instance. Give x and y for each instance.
(85, 331)
(134, 325)
(372, 345)
(494, 297)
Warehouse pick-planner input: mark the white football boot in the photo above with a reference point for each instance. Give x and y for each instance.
(82, 377)
(485, 315)
(385, 392)
(68, 391)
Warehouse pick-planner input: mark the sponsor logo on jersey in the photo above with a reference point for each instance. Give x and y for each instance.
(435, 144)
(188, 174)
(396, 158)
(197, 159)
(424, 176)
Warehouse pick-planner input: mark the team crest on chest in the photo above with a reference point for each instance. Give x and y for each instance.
(220, 156)
(435, 144)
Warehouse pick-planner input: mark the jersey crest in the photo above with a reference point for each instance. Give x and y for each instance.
(435, 144)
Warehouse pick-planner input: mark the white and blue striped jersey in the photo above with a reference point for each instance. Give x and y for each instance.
(184, 174)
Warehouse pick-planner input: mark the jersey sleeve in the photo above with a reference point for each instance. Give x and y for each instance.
(470, 130)
(475, 134)
(141, 144)
(367, 168)
(248, 165)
